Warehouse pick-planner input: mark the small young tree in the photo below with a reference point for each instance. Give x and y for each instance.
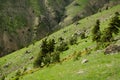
(96, 32)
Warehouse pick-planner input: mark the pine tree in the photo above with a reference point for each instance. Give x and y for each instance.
(44, 47)
(96, 32)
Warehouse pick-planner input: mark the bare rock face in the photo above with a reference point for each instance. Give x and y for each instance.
(112, 49)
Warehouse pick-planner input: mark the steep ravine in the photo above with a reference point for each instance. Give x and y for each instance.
(23, 21)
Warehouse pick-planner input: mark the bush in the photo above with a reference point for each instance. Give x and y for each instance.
(73, 40)
(77, 55)
(63, 46)
(83, 35)
(60, 39)
(3, 77)
(16, 78)
(107, 36)
(56, 57)
(18, 73)
(38, 61)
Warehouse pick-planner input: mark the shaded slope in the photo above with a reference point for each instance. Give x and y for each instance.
(21, 21)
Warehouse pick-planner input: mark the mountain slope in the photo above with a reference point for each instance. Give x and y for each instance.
(20, 59)
(25, 21)
(21, 21)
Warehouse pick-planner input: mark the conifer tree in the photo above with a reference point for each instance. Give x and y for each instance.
(96, 32)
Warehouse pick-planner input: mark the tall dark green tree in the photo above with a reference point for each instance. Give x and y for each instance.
(44, 47)
(51, 45)
(96, 32)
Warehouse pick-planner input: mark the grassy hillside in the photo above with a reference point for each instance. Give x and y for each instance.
(30, 20)
(99, 66)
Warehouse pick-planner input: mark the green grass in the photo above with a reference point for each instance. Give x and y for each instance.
(99, 67)
(72, 10)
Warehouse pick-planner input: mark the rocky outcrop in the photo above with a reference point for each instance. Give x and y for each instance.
(112, 49)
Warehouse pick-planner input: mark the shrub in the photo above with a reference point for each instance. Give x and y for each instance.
(73, 40)
(62, 46)
(83, 35)
(107, 36)
(56, 57)
(16, 78)
(77, 55)
(18, 73)
(60, 39)
(3, 77)
(38, 61)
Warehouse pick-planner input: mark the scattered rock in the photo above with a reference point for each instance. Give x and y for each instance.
(84, 61)
(112, 49)
(99, 51)
(80, 72)
(109, 65)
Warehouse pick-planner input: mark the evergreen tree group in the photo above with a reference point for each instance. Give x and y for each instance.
(107, 35)
(113, 28)
(47, 54)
